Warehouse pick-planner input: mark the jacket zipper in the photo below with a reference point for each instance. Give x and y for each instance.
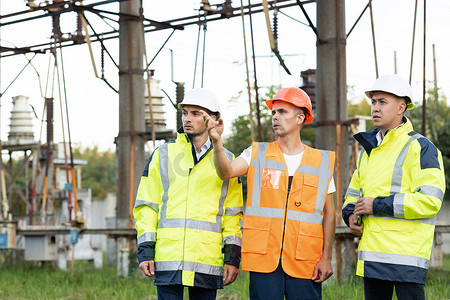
(285, 217)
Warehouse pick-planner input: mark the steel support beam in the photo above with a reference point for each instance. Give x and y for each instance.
(150, 26)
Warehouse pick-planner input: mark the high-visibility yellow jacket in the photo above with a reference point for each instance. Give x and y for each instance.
(405, 175)
(284, 224)
(186, 216)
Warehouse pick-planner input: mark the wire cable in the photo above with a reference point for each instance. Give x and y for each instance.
(412, 46)
(66, 168)
(258, 112)
(357, 20)
(157, 53)
(72, 167)
(373, 39)
(17, 76)
(252, 125)
(101, 41)
(196, 53)
(292, 18)
(203, 54)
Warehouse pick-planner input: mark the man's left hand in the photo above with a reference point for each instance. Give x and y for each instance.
(323, 270)
(364, 206)
(214, 128)
(229, 274)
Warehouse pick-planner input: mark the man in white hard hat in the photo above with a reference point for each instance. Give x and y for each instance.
(394, 195)
(187, 218)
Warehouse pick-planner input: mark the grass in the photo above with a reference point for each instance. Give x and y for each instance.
(25, 281)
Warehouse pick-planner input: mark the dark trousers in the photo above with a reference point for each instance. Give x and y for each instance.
(277, 285)
(377, 289)
(175, 292)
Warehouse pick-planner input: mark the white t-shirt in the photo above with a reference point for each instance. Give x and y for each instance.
(292, 163)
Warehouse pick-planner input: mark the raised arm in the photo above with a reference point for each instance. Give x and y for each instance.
(225, 169)
(228, 169)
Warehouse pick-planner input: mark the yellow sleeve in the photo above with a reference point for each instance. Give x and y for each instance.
(148, 201)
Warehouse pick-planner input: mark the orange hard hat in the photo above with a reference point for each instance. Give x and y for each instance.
(296, 97)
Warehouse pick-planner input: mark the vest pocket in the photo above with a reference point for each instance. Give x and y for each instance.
(211, 244)
(309, 189)
(255, 234)
(309, 242)
(169, 244)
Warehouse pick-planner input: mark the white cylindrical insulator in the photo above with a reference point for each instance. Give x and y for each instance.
(21, 124)
(158, 111)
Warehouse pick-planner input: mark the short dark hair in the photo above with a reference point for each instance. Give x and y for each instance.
(216, 113)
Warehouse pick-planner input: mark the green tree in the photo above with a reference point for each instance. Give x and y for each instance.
(241, 136)
(362, 108)
(16, 192)
(99, 174)
(437, 126)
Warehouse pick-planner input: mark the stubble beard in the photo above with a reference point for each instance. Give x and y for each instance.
(196, 133)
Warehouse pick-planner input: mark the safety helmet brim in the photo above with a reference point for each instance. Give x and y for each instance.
(409, 104)
(393, 84)
(296, 97)
(202, 97)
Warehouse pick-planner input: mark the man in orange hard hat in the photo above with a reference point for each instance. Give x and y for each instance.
(289, 219)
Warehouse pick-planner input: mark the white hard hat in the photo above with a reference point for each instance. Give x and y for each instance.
(201, 97)
(394, 84)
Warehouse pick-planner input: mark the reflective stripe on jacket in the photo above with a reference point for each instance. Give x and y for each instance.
(280, 225)
(184, 208)
(405, 175)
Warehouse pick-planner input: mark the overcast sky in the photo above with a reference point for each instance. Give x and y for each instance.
(94, 106)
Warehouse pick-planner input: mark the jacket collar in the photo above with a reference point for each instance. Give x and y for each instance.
(369, 141)
(184, 140)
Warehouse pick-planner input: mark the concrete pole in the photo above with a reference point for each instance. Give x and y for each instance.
(331, 101)
(331, 87)
(130, 141)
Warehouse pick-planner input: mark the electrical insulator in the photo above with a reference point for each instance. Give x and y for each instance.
(102, 60)
(57, 34)
(180, 95)
(275, 24)
(49, 120)
(79, 25)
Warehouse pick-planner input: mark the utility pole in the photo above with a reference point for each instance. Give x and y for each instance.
(331, 88)
(331, 101)
(130, 141)
(435, 73)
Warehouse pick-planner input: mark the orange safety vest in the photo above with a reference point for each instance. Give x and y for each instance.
(280, 225)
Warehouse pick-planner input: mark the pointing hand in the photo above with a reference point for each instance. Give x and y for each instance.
(215, 129)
